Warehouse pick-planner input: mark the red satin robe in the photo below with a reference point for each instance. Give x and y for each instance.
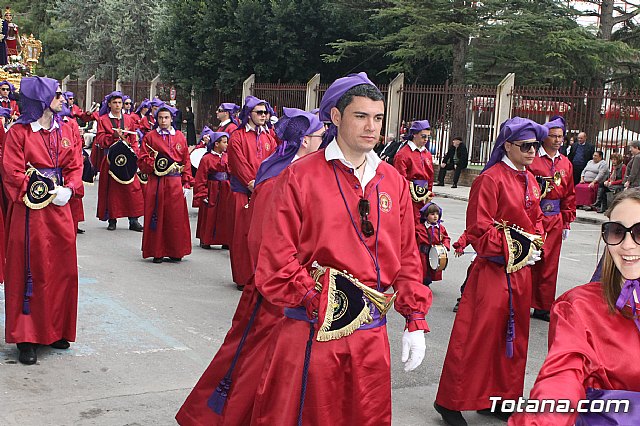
(116, 200)
(476, 366)
(146, 123)
(307, 220)
(52, 240)
(415, 165)
(588, 347)
(229, 128)
(77, 112)
(246, 151)
(215, 220)
(77, 209)
(3, 206)
(544, 273)
(12, 105)
(172, 236)
(248, 370)
(429, 236)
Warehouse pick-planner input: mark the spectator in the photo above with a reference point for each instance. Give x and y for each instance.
(632, 177)
(456, 160)
(566, 146)
(390, 149)
(613, 184)
(188, 121)
(594, 172)
(579, 154)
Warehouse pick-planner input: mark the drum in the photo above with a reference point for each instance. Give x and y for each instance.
(438, 258)
(196, 156)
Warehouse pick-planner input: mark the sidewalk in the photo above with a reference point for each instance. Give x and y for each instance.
(462, 193)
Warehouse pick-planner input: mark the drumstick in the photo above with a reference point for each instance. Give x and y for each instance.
(125, 131)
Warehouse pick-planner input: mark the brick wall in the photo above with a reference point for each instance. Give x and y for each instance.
(466, 178)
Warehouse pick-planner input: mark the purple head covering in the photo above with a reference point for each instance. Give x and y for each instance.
(291, 129)
(423, 212)
(214, 137)
(205, 131)
(232, 109)
(416, 127)
(515, 129)
(556, 122)
(104, 107)
(124, 99)
(331, 97)
(250, 103)
(36, 94)
(156, 102)
(68, 95)
(165, 107)
(12, 89)
(5, 112)
(144, 104)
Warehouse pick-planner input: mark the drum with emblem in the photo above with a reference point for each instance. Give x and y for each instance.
(196, 156)
(438, 259)
(123, 162)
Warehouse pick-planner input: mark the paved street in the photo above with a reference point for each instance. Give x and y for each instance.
(147, 331)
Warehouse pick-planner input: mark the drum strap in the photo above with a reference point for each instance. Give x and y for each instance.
(115, 123)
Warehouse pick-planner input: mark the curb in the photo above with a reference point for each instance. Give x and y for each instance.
(579, 218)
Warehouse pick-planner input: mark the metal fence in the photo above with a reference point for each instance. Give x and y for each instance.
(138, 90)
(291, 95)
(209, 102)
(79, 89)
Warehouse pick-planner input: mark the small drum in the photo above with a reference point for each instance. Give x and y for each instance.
(438, 258)
(196, 155)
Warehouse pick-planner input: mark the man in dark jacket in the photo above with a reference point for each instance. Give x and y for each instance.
(580, 154)
(456, 160)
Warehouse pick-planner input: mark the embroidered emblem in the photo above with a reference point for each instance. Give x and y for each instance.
(563, 172)
(385, 202)
(65, 143)
(120, 160)
(536, 192)
(267, 146)
(179, 147)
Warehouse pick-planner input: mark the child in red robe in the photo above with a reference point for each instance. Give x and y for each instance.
(430, 233)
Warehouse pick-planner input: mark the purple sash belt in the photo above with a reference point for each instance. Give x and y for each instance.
(173, 174)
(550, 207)
(300, 314)
(609, 417)
(53, 173)
(218, 176)
(237, 186)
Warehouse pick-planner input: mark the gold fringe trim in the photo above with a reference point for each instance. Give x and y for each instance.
(417, 198)
(25, 198)
(120, 180)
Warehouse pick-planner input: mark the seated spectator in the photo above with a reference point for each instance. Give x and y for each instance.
(456, 160)
(632, 177)
(613, 184)
(592, 175)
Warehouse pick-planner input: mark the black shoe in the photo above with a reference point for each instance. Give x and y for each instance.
(454, 186)
(60, 344)
(239, 287)
(225, 247)
(205, 246)
(27, 353)
(80, 231)
(157, 260)
(455, 308)
(595, 206)
(175, 259)
(112, 225)
(601, 210)
(541, 315)
(450, 417)
(439, 184)
(499, 414)
(135, 226)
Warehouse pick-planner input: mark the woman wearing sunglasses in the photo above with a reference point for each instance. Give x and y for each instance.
(595, 332)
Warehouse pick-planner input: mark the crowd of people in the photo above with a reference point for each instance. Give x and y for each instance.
(349, 236)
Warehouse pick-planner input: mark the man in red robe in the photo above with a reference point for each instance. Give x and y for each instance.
(165, 158)
(226, 114)
(7, 93)
(325, 213)
(77, 208)
(212, 193)
(76, 111)
(41, 172)
(249, 145)
(487, 350)
(117, 199)
(559, 210)
(303, 133)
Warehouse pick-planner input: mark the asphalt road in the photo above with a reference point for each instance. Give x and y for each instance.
(147, 331)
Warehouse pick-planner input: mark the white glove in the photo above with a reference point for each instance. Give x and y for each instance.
(186, 191)
(536, 255)
(63, 194)
(205, 201)
(413, 342)
(565, 234)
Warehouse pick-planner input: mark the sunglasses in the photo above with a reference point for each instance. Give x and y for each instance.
(219, 110)
(260, 112)
(4, 89)
(58, 95)
(613, 233)
(365, 224)
(126, 103)
(424, 136)
(526, 146)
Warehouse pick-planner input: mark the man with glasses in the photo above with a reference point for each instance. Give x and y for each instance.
(340, 208)
(559, 210)
(580, 154)
(249, 145)
(226, 116)
(76, 111)
(7, 100)
(41, 172)
(117, 198)
(487, 350)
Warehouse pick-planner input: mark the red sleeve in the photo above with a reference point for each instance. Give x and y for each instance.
(400, 162)
(15, 109)
(446, 240)
(13, 164)
(72, 172)
(483, 235)
(145, 158)
(187, 177)
(239, 165)
(462, 242)
(104, 135)
(568, 202)
(201, 182)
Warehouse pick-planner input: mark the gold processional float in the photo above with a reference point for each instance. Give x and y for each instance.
(23, 64)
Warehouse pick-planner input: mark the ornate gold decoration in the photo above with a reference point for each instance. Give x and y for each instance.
(31, 51)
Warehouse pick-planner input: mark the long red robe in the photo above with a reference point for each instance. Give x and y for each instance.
(52, 240)
(215, 220)
(250, 363)
(415, 165)
(588, 347)
(307, 220)
(3, 206)
(172, 236)
(544, 274)
(116, 200)
(476, 366)
(246, 151)
(429, 236)
(77, 208)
